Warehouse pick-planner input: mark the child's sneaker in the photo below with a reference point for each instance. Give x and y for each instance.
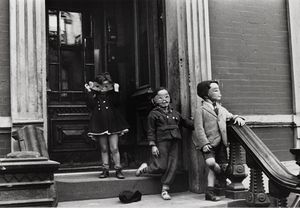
(165, 195)
(141, 169)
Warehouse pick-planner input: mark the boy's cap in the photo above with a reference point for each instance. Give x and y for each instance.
(130, 196)
(203, 87)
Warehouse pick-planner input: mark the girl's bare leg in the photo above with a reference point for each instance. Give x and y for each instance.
(113, 145)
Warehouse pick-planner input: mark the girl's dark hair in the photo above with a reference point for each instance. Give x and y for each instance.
(100, 78)
(203, 87)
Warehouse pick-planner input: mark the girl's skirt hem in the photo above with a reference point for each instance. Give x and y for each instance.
(120, 133)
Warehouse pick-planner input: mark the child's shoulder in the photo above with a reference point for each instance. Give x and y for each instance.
(153, 111)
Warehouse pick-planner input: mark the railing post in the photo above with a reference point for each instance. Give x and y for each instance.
(235, 172)
(279, 193)
(256, 196)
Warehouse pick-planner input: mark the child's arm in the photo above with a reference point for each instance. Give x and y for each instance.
(151, 129)
(115, 94)
(187, 123)
(151, 134)
(200, 140)
(90, 96)
(90, 100)
(236, 118)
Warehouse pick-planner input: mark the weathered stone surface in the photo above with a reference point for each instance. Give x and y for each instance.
(27, 182)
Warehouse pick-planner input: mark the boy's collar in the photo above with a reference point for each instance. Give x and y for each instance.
(211, 102)
(170, 109)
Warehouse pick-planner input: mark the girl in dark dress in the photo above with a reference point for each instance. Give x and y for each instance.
(106, 123)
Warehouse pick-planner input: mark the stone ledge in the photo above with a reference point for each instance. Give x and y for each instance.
(27, 182)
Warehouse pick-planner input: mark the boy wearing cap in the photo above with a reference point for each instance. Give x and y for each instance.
(210, 128)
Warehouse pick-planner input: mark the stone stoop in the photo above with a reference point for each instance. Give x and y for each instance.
(87, 185)
(27, 182)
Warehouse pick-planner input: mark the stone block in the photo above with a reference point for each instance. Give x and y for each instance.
(27, 182)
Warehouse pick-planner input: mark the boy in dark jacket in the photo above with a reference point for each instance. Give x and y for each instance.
(163, 135)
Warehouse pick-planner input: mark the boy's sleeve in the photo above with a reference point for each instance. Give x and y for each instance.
(200, 138)
(187, 123)
(230, 116)
(151, 129)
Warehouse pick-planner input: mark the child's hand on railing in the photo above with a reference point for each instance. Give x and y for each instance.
(239, 121)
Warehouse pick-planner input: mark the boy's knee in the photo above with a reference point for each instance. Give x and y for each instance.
(210, 162)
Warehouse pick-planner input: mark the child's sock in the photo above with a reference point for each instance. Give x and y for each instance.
(164, 192)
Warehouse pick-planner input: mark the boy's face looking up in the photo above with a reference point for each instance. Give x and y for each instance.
(214, 93)
(162, 99)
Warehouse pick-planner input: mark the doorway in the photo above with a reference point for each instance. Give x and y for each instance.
(122, 37)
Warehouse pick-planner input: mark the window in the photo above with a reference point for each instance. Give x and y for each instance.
(70, 54)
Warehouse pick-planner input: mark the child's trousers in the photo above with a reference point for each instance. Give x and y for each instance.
(166, 162)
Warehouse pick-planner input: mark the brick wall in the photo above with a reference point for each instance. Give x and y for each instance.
(250, 55)
(279, 140)
(4, 76)
(4, 59)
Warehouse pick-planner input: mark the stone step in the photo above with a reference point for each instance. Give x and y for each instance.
(179, 200)
(87, 185)
(28, 203)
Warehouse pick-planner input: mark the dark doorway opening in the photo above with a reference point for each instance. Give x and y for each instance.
(123, 37)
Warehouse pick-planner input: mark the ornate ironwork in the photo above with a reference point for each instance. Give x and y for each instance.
(235, 172)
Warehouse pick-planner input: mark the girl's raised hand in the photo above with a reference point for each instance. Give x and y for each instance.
(87, 87)
(116, 87)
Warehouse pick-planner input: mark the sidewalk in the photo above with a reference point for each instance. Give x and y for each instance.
(179, 200)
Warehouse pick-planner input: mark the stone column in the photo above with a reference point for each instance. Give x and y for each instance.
(28, 62)
(294, 30)
(194, 66)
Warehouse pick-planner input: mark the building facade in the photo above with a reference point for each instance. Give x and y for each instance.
(50, 48)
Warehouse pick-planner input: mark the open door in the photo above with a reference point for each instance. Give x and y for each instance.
(70, 65)
(88, 37)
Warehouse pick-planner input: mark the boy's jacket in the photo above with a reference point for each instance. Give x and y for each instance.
(210, 128)
(165, 126)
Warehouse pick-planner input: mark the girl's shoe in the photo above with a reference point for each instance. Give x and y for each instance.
(119, 174)
(141, 169)
(104, 174)
(165, 195)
